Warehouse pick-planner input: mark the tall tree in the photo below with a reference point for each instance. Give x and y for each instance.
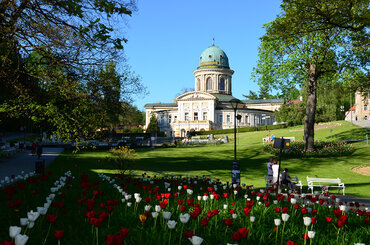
(308, 43)
(153, 126)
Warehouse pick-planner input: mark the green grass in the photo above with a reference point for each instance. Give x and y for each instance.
(215, 161)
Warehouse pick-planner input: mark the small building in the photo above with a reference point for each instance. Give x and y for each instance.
(208, 106)
(361, 109)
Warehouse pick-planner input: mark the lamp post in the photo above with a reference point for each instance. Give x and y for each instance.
(236, 165)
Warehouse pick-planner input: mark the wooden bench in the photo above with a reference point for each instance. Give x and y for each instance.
(294, 180)
(324, 183)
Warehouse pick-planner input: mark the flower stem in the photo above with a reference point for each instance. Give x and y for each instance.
(97, 236)
(47, 234)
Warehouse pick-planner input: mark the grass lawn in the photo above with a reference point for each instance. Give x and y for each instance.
(215, 161)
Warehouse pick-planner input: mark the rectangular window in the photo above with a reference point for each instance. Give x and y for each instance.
(195, 115)
(228, 118)
(174, 119)
(186, 116)
(220, 119)
(246, 119)
(205, 116)
(169, 118)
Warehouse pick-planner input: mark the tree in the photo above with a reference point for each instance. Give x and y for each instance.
(309, 43)
(153, 125)
(50, 54)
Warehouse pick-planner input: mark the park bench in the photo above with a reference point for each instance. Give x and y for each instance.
(295, 180)
(324, 183)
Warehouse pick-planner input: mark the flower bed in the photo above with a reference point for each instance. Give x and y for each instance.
(322, 149)
(100, 209)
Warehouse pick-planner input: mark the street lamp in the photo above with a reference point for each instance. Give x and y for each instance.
(236, 165)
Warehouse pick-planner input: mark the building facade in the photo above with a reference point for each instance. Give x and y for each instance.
(208, 107)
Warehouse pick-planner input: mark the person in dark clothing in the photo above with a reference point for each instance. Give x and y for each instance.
(39, 149)
(285, 180)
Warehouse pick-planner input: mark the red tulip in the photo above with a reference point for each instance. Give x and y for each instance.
(96, 222)
(277, 210)
(182, 208)
(188, 234)
(237, 236)
(304, 210)
(313, 220)
(52, 218)
(243, 232)
(267, 204)
(246, 211)
(228, 222)
(290, 242)
(59, 234)
(123, 232)
(328, 219)
(204, 221)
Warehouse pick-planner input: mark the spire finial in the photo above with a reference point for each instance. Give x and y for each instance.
(213, 42)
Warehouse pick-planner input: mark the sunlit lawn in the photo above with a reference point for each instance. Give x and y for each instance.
(215, 161)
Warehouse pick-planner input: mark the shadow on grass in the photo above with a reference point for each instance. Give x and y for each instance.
(354, 134)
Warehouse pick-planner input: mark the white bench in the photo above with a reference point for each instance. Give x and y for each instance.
(295, 180)
(324, 182)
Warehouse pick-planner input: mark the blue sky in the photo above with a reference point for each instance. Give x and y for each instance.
(166, 38)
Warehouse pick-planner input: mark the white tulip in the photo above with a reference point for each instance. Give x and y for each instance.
(307, 221)
(252, 219)
(234, 216)
(23, 221)
(235, 192)
(343, 208)
(285, 217)
(154, 215)
(262, 190)
(258, 198)
(190, 191)
(225, 206)
(311, 234)
(21, 239)
(14, 230)
(136, 195)
(205, 198)
(171, 224)
(123, 200)
(138, 199)
(275, 202)
(179, 187)
(32, 216)
(212, 196)
(184, 218)
(166, 215)
(259, 203)
(277, 222)
(147, 207)
(195, 240)
(245, 196)
(293, 201)
(235, 185)
(199, 198)
(157, 208)
(129, 204)
(128, 197)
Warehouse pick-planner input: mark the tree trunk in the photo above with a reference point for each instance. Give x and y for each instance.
(309, 131)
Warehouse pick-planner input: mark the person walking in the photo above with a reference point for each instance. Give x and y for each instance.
(34, 146)
(39, 149)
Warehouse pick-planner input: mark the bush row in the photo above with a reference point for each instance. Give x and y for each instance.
(244, 129)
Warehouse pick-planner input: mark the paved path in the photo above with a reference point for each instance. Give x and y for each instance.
(26, 162)
(363, 123)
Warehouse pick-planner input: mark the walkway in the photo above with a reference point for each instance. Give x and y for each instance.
(26, 162)
(363, 123)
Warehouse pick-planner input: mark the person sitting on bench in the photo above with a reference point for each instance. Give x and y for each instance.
(285, 180)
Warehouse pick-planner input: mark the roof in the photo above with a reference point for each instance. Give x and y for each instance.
(160, 105)
(224, 97)
(262, 101)
(213, 57)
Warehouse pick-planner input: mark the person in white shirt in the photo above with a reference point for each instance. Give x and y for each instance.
(275, 172)
(269, 170)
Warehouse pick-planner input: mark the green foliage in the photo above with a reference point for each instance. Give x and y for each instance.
(322, 149)
(291, 114)
(309, 43)
(153, 125)
(123, 158)
(244, 129)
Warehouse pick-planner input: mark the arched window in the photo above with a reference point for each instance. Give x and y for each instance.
(209, 83)
(222, 84)
(198, 84)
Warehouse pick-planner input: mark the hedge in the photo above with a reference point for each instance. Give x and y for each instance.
(244, 129)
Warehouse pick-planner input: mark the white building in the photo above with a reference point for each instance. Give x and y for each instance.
(208, 107)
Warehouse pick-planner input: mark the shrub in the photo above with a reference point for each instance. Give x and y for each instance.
(122, 158)
(322, 149)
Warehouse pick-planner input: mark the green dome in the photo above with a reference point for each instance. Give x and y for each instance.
(213, 57)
